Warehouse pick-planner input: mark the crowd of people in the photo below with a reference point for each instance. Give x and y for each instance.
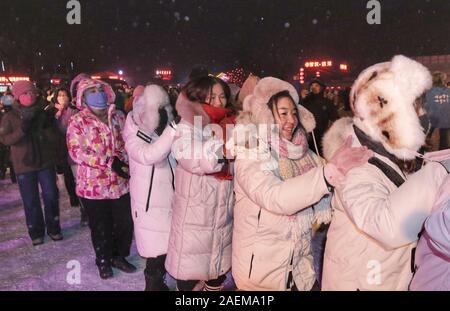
(215, 178)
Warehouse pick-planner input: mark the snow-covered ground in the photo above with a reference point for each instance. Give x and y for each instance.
(54, 265)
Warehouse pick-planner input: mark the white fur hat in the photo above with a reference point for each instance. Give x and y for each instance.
(382, 99)
(255, 105)
(145, 109)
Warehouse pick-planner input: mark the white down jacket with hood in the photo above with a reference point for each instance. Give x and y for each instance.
(273, 218)
(152, 171)
(202, 222)
(376, 218)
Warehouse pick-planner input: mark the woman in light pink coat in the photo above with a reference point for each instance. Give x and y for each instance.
(148, 136)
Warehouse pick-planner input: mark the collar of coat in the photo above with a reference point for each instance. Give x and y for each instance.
(376, 147)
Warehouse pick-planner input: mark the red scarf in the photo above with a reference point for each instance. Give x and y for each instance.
(222, 117)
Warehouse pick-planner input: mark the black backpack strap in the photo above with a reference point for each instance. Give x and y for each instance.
(390, 173)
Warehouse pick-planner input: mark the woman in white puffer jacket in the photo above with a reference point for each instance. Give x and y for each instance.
(278, 184)
(148, 136)
(200, 237)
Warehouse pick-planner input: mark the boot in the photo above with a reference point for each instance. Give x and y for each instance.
(104, 268)
(156, 283)
(123, 265)
(37, 241)
(105, 271)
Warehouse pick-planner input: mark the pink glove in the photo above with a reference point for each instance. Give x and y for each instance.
(344, 160)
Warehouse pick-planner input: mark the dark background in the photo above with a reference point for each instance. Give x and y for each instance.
(140, 35)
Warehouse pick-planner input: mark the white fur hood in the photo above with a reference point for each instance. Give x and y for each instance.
(382, 99)
(256, 111)
(145, 109)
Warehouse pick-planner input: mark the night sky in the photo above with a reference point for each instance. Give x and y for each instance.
(268, 37)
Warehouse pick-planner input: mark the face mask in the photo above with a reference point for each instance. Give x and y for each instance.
(27, 99)
(7, 100)
(97, 100)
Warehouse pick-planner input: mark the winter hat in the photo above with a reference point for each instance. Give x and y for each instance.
(145, 109)
(255, 105)
(138, 91)
(86, 84)
(21, 87)
(382, 99)
(75, 82)
(248, 87)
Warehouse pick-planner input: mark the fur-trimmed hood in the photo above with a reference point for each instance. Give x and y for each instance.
(188, 110)
(256, 111)
(146, 108)
(90, 83)
(335, 137)
(75, 82)
(382, 99)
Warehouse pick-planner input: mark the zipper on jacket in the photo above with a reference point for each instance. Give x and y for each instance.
(150, 190)
(171, 170)
(251, 266)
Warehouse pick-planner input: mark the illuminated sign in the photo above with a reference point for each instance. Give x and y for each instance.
(343, 67)
(319, 64)
(9, 80)
(165, 74)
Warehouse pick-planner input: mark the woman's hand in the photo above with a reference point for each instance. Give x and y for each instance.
(345, 158)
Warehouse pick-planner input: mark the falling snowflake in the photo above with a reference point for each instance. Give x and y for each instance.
(287, 25)
(315, 21)
(186, 18)
(177, 15)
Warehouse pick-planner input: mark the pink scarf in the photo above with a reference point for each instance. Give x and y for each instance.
(294, 157)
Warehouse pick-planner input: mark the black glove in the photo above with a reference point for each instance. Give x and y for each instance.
(120, 168)
(163, 119)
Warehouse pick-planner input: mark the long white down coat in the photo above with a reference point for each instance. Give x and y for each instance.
(152, 171)
(202, 222)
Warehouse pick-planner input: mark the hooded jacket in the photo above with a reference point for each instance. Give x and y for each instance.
(376, 221)
(270, 237)
(433, 250)
(93, 145)
(200, 237)
(152, 170)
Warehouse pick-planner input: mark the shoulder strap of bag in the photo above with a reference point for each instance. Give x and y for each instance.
(388, 171)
